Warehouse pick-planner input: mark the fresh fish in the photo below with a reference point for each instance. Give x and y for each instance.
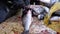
(41, 17)
(27, 20)
(46, 9)
(38, 10)
(49, 3)
(45, 1)
(43, 13)
(55, 18)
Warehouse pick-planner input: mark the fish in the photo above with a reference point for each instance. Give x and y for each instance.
(27, 20)
(37, 10)
(41, 17)
(43, 13)
(45, 1)
(49, 3)
(40, 11)
(55, 18)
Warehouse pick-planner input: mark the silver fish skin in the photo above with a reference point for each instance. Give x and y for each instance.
(27, 20)
(49, 1)
(55, 18)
